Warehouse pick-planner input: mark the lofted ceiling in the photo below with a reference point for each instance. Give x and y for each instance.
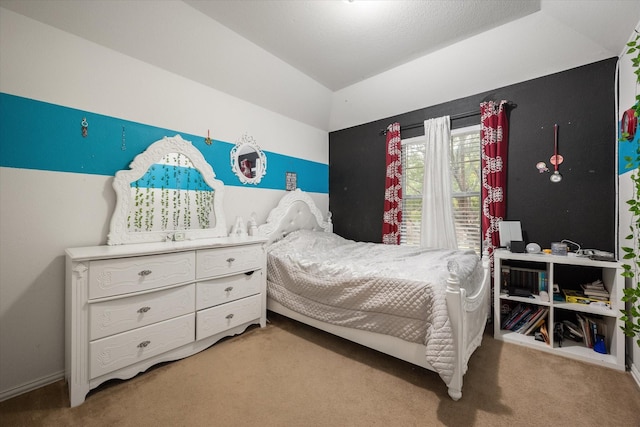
(338, 43)
(257, 50)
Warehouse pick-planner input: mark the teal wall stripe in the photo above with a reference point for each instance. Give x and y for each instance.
(627, 150)
(44, 136)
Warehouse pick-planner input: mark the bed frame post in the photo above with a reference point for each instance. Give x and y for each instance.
(455, 297)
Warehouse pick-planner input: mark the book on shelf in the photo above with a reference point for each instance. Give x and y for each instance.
(572, 330)
(525, 319)
(543, 282)
(594, 330)
(597, 295)
(585, 330)
(595, 285)
(508, 317)
(595, 289)
(536, 321)
(521, 281)
(578, 297)
(543, 334)
(567, 329)
(504, 283)
(516, 315)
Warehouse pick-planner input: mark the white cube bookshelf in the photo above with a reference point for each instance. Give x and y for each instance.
(611, 275)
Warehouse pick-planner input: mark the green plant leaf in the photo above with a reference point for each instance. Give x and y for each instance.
(630, 316)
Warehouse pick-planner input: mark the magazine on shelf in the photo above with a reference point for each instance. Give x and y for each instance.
(537, 321)
(578, 297)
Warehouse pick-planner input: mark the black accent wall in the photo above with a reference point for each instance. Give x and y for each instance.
(580, 208)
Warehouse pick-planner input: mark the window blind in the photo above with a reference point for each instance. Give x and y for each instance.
(466, 185)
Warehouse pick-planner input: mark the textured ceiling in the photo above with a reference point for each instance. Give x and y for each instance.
(338, 43)
(335, 42)
(323, 62)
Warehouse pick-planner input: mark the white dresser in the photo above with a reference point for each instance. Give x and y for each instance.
(129, 307)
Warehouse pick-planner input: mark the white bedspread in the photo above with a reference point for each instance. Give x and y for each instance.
(393, 290)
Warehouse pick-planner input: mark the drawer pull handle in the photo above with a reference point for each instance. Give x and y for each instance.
(144, 273)
(230, 260)
(229, 316)
(229, 289)
(143, 344)
(249, 273)
(143, 309)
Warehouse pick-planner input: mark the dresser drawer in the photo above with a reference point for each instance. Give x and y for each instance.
(125, 275)
(224, 261)
(225, 289)
(115, 352)
(123, 314)
(226, 316)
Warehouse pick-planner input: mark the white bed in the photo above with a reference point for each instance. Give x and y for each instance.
(445, 315)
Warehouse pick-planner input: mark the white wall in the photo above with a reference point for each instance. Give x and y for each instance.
(628, 91)
(42, 212)
(512, 53)
(45, 212)
(174, 36)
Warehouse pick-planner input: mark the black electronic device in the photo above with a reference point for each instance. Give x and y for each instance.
(519, 292)
(517, 246)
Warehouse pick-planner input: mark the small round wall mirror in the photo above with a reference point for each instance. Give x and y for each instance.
(248, 161)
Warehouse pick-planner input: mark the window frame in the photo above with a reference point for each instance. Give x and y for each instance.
(477, 246)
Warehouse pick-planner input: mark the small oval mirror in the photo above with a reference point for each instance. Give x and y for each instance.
(248, 162)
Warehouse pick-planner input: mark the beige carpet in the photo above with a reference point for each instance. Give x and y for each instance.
(288, 374)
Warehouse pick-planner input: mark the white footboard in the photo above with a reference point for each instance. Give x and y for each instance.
(468, 316)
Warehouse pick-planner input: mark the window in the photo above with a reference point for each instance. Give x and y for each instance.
(466, 183)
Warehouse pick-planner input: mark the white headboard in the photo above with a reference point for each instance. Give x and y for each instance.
(295, 211)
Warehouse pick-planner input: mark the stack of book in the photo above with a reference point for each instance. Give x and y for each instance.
(596, 290)
(594, 330)
(525, 319)
(590, 293)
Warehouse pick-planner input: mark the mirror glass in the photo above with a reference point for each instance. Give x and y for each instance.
(248, 162)
(169, 193)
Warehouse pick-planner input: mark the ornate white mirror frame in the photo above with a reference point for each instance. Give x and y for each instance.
(168, 193)
(248, 161)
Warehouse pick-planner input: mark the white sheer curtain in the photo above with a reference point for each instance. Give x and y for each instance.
(438, 228)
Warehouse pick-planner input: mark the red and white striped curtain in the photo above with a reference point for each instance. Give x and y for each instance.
(393, 188)
(494, 140)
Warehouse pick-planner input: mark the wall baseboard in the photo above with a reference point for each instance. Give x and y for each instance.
(30, 386)
(635, 373)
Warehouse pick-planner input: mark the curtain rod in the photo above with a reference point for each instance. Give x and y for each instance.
(452, 117)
